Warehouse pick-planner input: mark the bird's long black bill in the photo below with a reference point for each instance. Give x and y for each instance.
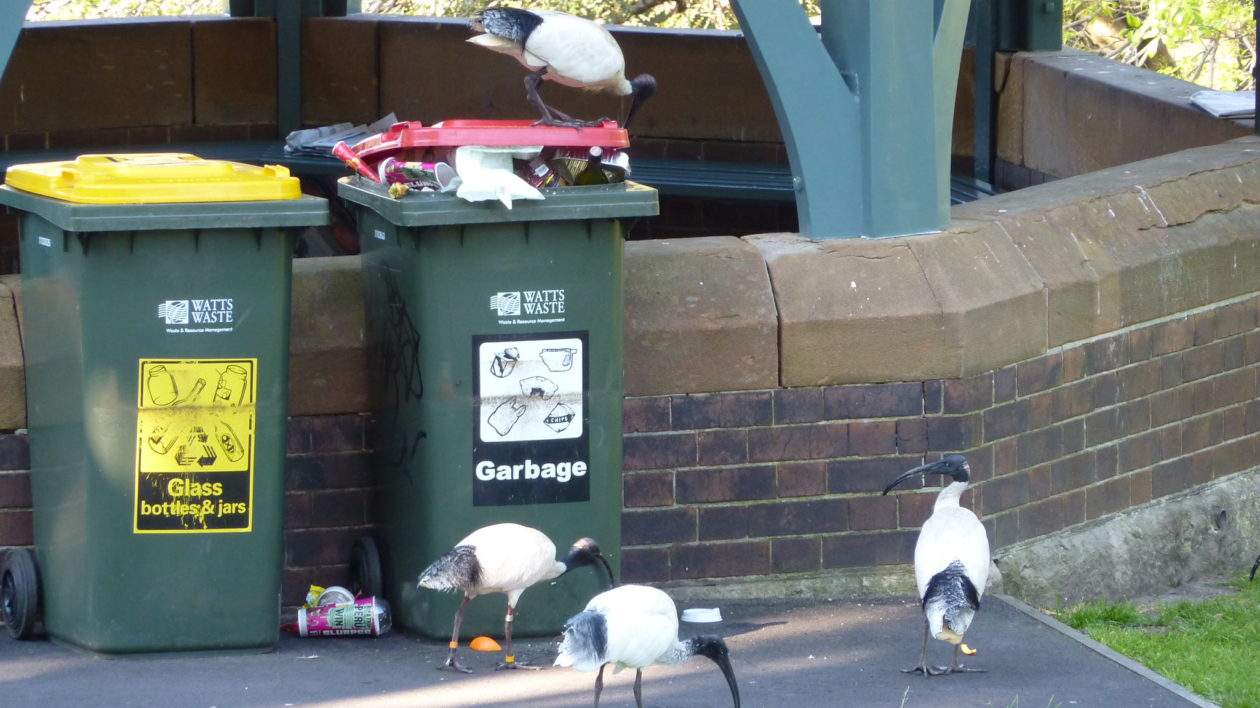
(1253, 568)
(917, 471)
(612, 582)
(724, 663)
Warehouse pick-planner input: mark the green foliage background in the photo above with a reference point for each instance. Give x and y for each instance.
(1209, 42)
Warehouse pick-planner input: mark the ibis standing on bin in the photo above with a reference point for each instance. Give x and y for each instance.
(569, 50)
(634, 626)
(951, 563)
(504, 558)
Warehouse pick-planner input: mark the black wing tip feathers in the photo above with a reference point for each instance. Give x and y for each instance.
(952, 581)
(457, 569)
(587, 634)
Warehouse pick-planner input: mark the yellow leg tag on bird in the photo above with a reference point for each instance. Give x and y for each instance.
(509, 659)
(454, 645)
(967, 650)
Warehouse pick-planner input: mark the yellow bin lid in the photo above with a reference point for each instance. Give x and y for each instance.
(153, 178)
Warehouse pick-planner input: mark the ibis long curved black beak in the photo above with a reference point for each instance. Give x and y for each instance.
(714, 648)
(724, 663)
(644, 87)
(919, 471)
(1253, 568)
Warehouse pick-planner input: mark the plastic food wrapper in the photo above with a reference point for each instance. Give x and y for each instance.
(418, 175)
(367, 616)
(487, 173)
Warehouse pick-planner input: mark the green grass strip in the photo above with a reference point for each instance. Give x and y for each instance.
(1210, 646)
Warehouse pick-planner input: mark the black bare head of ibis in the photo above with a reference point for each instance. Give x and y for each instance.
(952, 466)
(715, 649)
(585, 551)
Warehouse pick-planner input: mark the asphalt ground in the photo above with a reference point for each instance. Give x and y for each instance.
(799, 654)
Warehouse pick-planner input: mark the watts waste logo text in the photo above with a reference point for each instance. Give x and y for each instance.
(188, 316)
(529, 306)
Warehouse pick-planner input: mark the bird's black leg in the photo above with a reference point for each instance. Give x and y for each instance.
(509, 659)
(450, 663)
(638, 688)
(551, 116)
(957, 668)
(922, 667)
(599, 683)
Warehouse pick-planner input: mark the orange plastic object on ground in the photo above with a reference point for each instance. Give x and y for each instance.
(411, 136)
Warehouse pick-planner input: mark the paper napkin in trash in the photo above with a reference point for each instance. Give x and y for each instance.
(487, 174)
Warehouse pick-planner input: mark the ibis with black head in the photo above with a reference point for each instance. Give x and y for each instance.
(635, 626)
(951, 563)
(566, 49)
(506, 558)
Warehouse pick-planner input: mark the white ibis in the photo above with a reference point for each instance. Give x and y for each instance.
(951, 562)
(569, 50)
(634, 626)
(504, 558)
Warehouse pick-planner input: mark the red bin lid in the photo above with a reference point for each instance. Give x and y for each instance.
(490, 133)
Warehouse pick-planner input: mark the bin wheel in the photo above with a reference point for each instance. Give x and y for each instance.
(19, 592)
(365, 568)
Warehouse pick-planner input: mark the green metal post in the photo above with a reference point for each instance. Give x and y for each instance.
(866, 121)
(12, 15)
(818, 115)
(289, 16)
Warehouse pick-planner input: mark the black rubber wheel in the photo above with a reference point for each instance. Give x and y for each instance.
(365, 568)
(19, 592)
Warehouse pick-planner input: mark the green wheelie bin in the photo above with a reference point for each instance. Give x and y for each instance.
(495, 337)
(155, 300)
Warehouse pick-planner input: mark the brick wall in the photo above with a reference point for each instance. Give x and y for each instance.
(788, 480)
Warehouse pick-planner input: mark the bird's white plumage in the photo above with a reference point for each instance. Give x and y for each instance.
(577, 52)
(512, 558)
(951, 533)
(642, 626)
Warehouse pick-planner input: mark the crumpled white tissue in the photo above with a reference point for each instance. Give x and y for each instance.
(487, 173)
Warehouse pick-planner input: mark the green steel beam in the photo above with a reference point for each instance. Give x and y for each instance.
(289, 15)
(12, 15)
(866, 113)
(818, 114)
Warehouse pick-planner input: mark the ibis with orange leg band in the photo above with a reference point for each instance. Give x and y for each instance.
(504, 558)
(951, 563)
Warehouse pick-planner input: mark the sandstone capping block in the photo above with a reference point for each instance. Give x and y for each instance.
(1133, 243)
(700, 317)
(944, 305)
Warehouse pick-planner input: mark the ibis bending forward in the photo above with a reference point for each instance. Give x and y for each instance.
(951, 562)
(569, 50)
(504, 558)
(634, 626)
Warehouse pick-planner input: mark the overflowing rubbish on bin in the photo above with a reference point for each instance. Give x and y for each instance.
(335, 612)
(485, 160)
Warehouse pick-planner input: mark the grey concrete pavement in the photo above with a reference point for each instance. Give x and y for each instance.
(800, 654)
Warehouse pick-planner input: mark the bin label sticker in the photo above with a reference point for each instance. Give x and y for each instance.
(195, 445)
(529, 307)
(532, 442)
(198, 315)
